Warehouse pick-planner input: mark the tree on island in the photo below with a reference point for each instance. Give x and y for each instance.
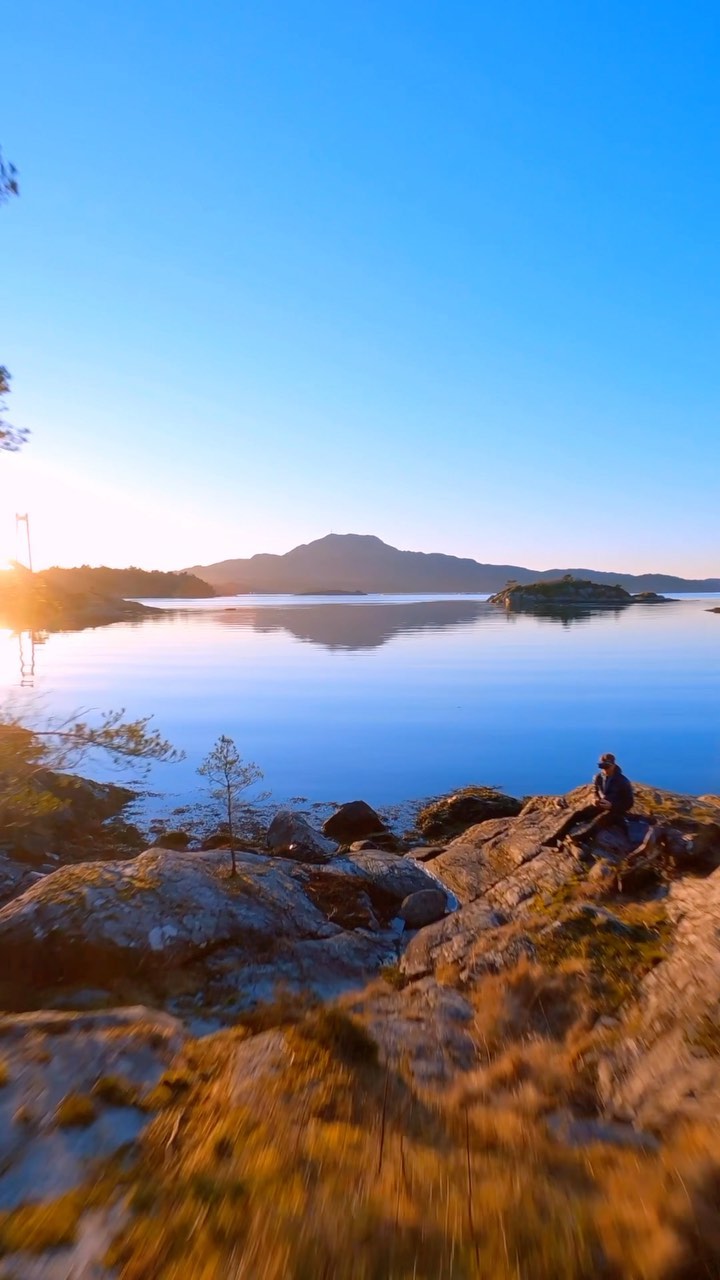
(228, 776)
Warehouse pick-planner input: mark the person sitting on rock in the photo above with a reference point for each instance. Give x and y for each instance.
(613, 801)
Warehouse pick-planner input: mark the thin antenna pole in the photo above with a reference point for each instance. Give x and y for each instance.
(24, 519)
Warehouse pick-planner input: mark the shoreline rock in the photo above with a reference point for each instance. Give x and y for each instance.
(550, 1017)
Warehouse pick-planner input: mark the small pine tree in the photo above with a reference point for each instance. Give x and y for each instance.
(228, 775)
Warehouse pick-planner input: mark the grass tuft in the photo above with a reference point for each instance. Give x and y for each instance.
(116, 1091)
(341, 1035)
(76, 1111)
(33, 1228)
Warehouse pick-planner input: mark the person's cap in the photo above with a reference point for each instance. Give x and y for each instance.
(606, 758)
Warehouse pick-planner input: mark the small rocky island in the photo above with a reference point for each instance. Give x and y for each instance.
(569, 591)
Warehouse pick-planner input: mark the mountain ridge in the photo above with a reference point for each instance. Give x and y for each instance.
(363, 562)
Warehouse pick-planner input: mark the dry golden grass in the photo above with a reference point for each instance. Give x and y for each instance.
(329, 1165)
(290, 1149)
(36, 1227)
(75, 1111)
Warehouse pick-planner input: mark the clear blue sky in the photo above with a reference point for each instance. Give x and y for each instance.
(444, 272)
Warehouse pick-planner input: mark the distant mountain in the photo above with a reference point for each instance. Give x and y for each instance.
(361, 562)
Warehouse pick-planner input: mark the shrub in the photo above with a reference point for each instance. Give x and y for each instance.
(75, 1111)
(341, 1035)
(34, 1228)
(116, 1091)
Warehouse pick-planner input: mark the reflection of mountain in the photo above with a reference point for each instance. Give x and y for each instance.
(358, 626)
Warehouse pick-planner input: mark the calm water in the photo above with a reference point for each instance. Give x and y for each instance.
(394, 698)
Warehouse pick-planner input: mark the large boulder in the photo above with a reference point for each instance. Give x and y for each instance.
(454, 941)
(290, 836)
(422, 908)
(398, 877)
(159, 910)
(355, 820)
(451, 815)
(495, 851)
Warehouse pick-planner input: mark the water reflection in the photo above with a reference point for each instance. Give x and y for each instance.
(565, 614)
(347, 626)
(396, 698)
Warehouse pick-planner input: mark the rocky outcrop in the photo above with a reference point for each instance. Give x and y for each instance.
(426, 1025)
(451, 815)
(355, 820)
(455, 941)
(291, 836)
(490, 853)
(548, 1014)
(312, 926)
(422, 908)
(397, 876)
(665, 1062)
(159, 910)
(568, 591)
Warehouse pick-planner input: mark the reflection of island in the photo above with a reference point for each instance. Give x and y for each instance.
(565, 614)
(361, 626)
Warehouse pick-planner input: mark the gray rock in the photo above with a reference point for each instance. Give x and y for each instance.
(426, 1026)
(582, 1131)
(47, 1057)
(425, 852)
(664, 1064)
(161, 909)
(396, 876)
(423, 908)
(454, 940)
(289, 835)
(15, 878)
(495, 852)
(355, 820)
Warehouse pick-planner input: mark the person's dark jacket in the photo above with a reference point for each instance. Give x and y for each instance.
(616, 788)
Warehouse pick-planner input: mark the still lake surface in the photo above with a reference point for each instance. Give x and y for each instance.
(393, 698)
